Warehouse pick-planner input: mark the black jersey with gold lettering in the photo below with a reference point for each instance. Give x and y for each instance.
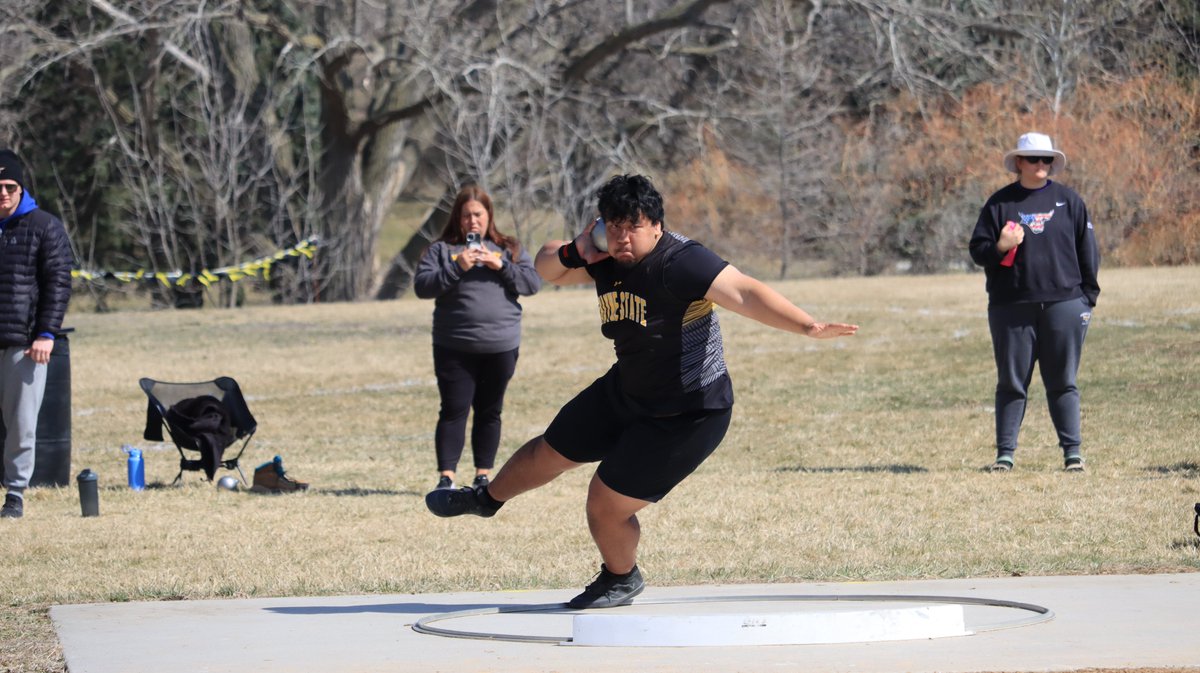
(667, 338)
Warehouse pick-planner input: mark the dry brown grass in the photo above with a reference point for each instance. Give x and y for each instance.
(852, 460)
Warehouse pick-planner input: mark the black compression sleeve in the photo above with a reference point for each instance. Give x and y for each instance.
(569, 256)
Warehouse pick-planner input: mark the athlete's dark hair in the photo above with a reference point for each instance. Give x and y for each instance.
(625, 197)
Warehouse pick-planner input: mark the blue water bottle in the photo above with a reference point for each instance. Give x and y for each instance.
(137, 468)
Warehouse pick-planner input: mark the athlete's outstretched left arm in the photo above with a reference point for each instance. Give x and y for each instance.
(747, 296)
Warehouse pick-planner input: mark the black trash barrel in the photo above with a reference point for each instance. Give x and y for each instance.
(52, 465)
(52, 460)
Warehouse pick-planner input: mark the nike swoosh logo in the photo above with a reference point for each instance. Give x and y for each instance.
(1060, 203)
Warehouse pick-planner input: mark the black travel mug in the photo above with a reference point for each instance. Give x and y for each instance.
(89, 492)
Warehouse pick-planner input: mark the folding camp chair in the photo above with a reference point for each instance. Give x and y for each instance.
(207, 417)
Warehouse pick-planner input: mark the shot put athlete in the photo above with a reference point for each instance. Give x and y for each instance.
(665, 405)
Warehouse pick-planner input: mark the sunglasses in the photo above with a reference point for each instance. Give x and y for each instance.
(10, 189)
(1044, 160)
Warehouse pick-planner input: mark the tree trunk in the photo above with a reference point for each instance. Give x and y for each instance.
(403, 267)
(347, 239)
(360, 180)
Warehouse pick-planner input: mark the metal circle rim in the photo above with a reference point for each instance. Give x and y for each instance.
(423, 625)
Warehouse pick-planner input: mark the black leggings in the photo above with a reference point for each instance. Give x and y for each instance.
(466, 381)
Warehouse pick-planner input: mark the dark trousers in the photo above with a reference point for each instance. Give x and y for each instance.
(466, 381)
(1052, 336)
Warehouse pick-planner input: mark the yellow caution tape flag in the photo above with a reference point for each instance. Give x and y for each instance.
(206, 277)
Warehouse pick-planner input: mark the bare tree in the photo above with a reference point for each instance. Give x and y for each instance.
(199, 139)
(235, 125)
(777, 111)
(541, 120)
(385, 77)
(1071, 40)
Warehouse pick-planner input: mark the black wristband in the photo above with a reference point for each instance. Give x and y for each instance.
(569, 256)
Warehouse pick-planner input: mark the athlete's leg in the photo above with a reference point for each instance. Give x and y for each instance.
(654, 456)
(613, 522)
(534, 464)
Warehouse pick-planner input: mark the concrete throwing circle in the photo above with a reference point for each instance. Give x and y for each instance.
(726, 621)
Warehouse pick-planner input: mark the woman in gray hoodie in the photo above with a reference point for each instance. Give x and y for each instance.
(475, 275)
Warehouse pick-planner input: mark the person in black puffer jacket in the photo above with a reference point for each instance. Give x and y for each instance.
(35, 286)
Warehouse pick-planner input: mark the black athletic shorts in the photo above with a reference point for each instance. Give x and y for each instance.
(640, 456)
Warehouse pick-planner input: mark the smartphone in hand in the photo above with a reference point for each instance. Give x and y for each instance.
(473, 243)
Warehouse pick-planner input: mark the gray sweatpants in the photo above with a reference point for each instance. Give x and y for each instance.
(22, 383)
(1052, 336)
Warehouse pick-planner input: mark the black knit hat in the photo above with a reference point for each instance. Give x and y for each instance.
(10, 167)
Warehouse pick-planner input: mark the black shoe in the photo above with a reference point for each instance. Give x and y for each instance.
(459, 501)
(14, 507)
(480, 480)
(1073, 463)
(445, 482)
(609, 590)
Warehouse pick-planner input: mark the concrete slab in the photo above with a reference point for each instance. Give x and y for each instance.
(1100, 622)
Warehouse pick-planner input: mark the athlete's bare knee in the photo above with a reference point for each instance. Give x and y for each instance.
(606, 505)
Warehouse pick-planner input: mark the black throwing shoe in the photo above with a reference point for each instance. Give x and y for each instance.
(609, 590)
(459, 501)
(445, 482)
(14, 507)
(480, 480)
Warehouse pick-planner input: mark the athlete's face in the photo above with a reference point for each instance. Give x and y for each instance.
(629, 242)
(474, 219)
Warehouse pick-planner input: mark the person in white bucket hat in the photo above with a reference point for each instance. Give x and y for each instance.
(1038, 249)
(1035, 145)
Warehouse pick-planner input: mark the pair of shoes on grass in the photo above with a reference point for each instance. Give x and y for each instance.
(445, 482)
(1072, 463)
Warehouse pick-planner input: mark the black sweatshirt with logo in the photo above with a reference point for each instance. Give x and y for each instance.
(1059, 258)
